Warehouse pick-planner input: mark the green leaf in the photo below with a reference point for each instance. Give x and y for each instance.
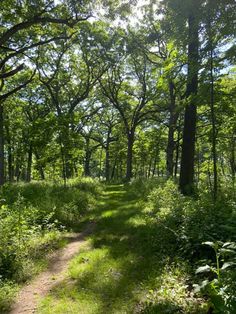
(211, 244)
(203, 269)
(227, 265)
(230, 245)
(229, 251)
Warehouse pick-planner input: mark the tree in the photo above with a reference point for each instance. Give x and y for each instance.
(129, 86)
(20, 36)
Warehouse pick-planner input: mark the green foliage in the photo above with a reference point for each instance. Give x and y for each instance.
(118, 269)
(141, 187)
(8, 292)
(221, 289)
(185, 223)
(33, 218)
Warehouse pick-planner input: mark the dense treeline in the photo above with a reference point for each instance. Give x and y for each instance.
(81, 96)
(121, 90)
(116, 102)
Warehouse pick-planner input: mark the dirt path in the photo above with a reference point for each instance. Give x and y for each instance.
(30, 295)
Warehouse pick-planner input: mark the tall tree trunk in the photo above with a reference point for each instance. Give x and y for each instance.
(232, 160)
(39, 166)
(186, 182)
(213, 119)
(2, 174)
(88, 154)
(177, 148)
(154, 165)
(10, 164)
(114, 168)
(17, 169)
(107, 157)
(100, 163)
(129, 160)
(68, 163)
(63, 161)
(107, 163)
(29, 163)
(149, 168)
(172, 127)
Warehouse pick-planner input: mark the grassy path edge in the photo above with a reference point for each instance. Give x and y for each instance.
(39, 287)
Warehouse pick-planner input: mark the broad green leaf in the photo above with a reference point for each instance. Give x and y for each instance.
(203, 269)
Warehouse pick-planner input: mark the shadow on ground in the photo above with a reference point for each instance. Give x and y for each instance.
(121, 270)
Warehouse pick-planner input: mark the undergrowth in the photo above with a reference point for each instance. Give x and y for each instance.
(33, 220)
(185, 226)
(122, 268)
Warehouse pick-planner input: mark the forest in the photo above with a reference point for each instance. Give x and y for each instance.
(117, 156)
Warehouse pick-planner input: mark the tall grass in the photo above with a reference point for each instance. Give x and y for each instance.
(33, 218)
(184, 227)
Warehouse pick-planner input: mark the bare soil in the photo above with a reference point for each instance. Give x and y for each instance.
(30, 294)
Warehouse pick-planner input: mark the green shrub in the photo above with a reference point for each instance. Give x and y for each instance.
(142, 187)
(8, 292)
(221, 287)
(184, 223)
(32, 220)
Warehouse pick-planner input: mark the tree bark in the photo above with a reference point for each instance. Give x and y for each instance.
(107, 164)
(177, 148)
(172, 127)
(129, 160)
(10, 164)
(29, 163)
(9, 154)
(17, 169)
(40, 168)
(114, 168)
(2, 174)
(232, 160)
(107, 157)
(88, 154)
(186, 182)
(213, 119)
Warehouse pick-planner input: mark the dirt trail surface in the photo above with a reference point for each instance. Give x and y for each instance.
(30, 294)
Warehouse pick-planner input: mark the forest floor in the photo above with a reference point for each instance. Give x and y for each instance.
(118, 268)
(58, 263)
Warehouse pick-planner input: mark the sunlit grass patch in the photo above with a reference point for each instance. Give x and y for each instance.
(170, 293)
(99, 284)
(123, 270)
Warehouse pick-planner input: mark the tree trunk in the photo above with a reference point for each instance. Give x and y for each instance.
(88, 154)
(172, 127)
(149, 168)
(29, 163)
(100, 164)
(107, 164)
(68, 164)
(39, 167)
(17, 169)
(186, 182)
(63, 161)
(177, 149)
(154, 165)
(129, 160)
(10, 166)
(2, 174)
(10, 163)
(213, 119)
(114, 168)
(232, 160)
(107, 157)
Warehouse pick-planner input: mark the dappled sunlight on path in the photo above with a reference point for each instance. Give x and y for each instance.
(119, 267)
